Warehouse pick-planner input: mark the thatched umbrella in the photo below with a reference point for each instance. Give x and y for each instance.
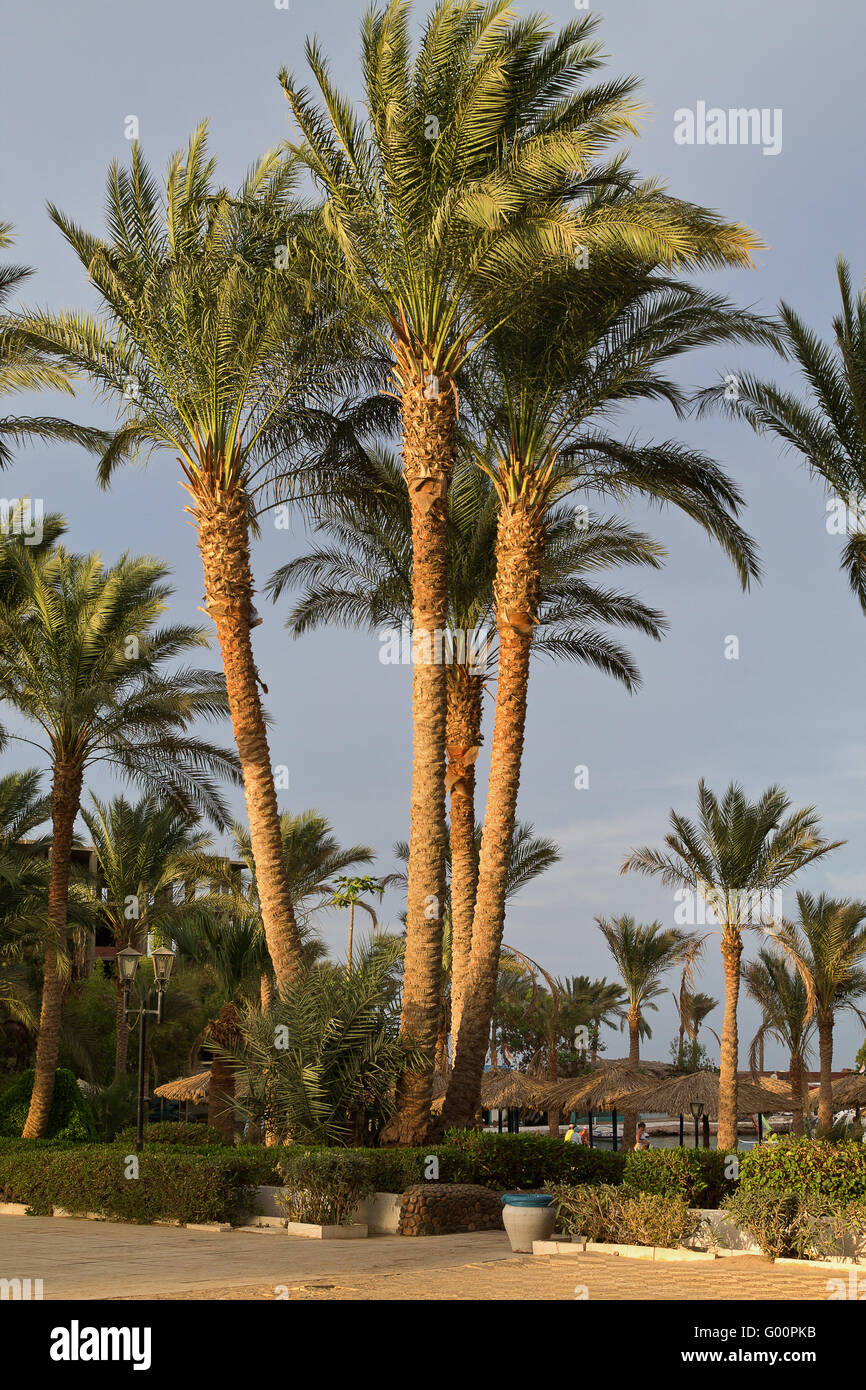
(192, 1089)
(675, 1097)
(600, 1089)
(849, 1090)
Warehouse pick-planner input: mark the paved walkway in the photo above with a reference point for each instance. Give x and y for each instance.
(88, 1260)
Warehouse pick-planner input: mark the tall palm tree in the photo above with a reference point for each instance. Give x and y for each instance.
(643, 954)
(828, 427)
(312, 856)
(82, 660)
(827, 944)
(364, 577)
(477, 167)
(780, 992)
(28, 366)
(547, 381)
(733, 857)
(146, 850)
(210, 349)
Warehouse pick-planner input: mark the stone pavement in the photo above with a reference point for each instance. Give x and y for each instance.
(89, 1259)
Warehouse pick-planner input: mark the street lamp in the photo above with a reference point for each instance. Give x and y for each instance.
(127, 966)
(697, 1109)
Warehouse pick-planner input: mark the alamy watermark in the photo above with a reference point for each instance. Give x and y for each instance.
(712, 907)
(738, 125)
(408, 646)
(22, 516)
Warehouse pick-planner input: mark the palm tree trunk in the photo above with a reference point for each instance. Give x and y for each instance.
(266, 992)
(351, 935)
(825, 1089)
(732, 950)
(65, 798)
(221, 1094)
(463, 739)
(553, 1074)
(519, 553)
(223, 539)
(798, 1124)
(629, 1119)
(428, 461)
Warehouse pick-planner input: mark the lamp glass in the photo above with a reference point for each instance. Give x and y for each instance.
(163, 963)
(697, 1108)
(127, 963)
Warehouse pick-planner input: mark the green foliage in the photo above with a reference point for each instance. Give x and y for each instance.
(173, 1185)
(325, 1186)
(797, 1225)
(177, 1132)
(806, 1168)
(69, 1118)
(114, 1106)
(88, 1034)
(512, 1161)
(698, 1175)
(622, 1216)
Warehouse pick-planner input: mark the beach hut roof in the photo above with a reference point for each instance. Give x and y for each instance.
(597, 1090)
(675, 1095)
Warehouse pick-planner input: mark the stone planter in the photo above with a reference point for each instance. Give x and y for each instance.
(313, 1232)
(527, 1216)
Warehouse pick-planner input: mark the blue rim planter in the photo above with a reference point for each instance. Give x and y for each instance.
(527, 1216)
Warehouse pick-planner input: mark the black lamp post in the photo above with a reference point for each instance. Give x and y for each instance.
(127, 965)
(697, 1109)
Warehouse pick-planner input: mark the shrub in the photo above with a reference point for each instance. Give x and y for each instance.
(334, 1182)
(69, 1117)
(802, 1166)
(797, 1226)
(622, 1216)
(698, 1175)
(512, 1161)
(173, 1132)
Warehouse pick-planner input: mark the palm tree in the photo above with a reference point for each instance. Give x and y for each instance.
(312, 856)
(209, 349)
(694, 1008)
(82, 659)
(23, 884)
(145, 851)
(26, 366)
(476, 169)
(828, 428)
(643, 954)
(826, 945)
(364, 577)
(347, 893)
(547, 380)
(737, 854)
(781, 994)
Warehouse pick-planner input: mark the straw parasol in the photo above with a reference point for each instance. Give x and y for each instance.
(193, 1089)
(849, 1090)
(605, 1087)
(675, 1096)
(505, 1090)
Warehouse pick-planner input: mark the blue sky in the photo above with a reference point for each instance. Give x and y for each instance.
(788, 710)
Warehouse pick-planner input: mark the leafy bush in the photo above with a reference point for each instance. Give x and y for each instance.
(802, 1166)
(114, 1107)
(334, 1182)
(513, 1161)
(797, 1226)
(69, 1118)
(698, 1175)
(173, 1132)
(172, 1185)
(622, 1216)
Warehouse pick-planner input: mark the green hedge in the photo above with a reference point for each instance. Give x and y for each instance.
(698, 1175)
(69, 1117)
(512, 1161)
(809, 1169)
(172, 1132)
(172, 1185)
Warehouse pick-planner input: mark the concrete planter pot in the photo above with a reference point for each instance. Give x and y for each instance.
(527, 1217)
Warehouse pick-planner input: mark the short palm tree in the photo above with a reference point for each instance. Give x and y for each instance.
(363, 577)
(478, 165)
(209, 349)
(734, 856)
(146, 851)
(642, 954)
(827, 945)
(23, 884)
(82, 660)
(780, 992)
